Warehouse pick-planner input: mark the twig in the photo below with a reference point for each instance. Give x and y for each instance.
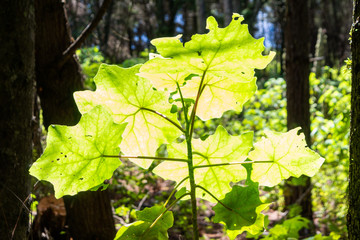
(84, 34)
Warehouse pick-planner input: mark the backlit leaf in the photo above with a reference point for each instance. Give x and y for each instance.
(287, 154)
(132, 99)
(74, 159)
(220, 148)
(255, 229)
(140, 230)
(225, 58)
(241, 207)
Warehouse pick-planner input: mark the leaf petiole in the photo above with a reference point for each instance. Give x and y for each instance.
(212, 195)
(148, 157)
(231, 163)
(173, 191)
(193, 113)
(165, 117)
(183, 104)
(162, 214)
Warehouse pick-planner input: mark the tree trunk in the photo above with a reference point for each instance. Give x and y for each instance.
(89, 215)
(200, 16)
(17, 61)
(298, 93)
(228, 11)
(353, 217)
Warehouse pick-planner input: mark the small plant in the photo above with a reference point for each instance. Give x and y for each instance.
(135, 110)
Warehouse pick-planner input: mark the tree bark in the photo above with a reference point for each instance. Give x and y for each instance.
(228, 11)
(298, 93)
(353, 216)
(200, 16)
(17, 61)
(89, 215)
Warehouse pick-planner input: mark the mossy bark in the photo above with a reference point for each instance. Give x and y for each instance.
(17, 67)
(353, 217)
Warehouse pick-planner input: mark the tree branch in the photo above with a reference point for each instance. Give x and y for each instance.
(84, 34)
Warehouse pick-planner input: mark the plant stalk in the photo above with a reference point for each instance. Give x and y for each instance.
(192, 190)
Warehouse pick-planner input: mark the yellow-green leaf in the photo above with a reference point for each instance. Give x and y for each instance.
(132, 99)
(74, 160)
(287, 155)
(220, 148)
(224, 58)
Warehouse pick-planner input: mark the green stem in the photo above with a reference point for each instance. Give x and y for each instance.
(148, 157)
(192, 190)
(212, 195)
(231, 163)
(165, 117)
(173, 191)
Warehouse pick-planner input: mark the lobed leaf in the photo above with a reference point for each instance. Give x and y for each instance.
(225, 58)
(242, 202)
(74, 160)
(220, 148)
(287, 155)
(140, 230)
(132, 99)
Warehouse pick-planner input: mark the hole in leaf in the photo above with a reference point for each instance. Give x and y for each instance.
(81, 178)
(65, 156)
(236, 18)
(58, 159)
(242, 73)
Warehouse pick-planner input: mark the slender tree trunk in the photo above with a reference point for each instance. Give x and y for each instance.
(17, 61)
(298, 93)
(353, 217)
(89, 214)
(200, 16)
(228, 11)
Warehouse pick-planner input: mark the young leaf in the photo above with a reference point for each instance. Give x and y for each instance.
(225, 58)
(140, 230)
(243, 202)
(73, 160)
(288, 156)
(132, 99)
(220, 148)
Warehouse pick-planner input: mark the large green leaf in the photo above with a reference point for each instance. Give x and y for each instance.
(140, 230)
(220, 148)
(287, 155)
(74, 159)
(225, 58)
(243, 202)
(132, 99)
